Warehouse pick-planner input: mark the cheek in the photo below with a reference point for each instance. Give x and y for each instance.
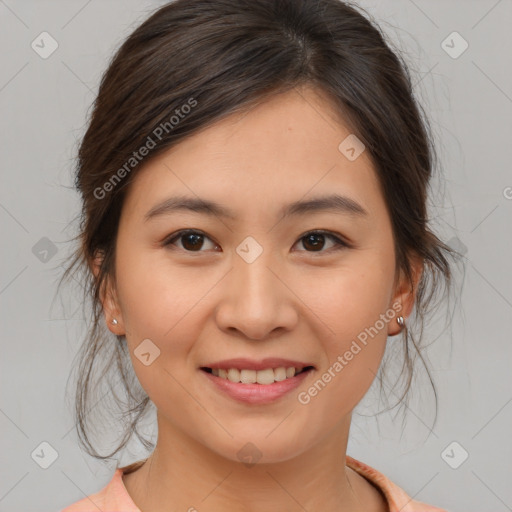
(348, 299)
(350, 308)
(154, 296)
(157, 304)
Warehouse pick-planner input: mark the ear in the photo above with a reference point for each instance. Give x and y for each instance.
(405, 294)
(108, 298)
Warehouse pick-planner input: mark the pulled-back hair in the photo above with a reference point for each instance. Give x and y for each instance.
(222, 57)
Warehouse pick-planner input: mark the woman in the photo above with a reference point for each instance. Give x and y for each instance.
(254, 180)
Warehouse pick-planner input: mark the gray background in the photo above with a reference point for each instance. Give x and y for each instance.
(44, 103)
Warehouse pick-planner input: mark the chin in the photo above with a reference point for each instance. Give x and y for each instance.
(259, 449)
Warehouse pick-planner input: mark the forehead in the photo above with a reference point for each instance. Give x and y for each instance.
(276, 152)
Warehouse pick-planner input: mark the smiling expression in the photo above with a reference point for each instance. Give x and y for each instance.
(287, 253)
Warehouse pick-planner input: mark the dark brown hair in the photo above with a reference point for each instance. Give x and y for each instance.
(226, 56)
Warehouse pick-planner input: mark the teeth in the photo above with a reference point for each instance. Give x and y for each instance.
(280, 374)
(248, 376)
(233, 375)
(267, 376)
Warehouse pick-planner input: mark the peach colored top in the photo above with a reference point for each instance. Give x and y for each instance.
(115, 498)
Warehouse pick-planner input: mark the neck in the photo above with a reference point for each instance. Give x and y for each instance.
(190, 476)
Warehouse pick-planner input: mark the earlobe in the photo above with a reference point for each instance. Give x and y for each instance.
(108, 298)
(405, 295)
(111, 310)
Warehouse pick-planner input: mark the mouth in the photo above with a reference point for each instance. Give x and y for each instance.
(255, 387)
(263, 377)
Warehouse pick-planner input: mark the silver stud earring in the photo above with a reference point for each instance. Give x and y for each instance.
(114, 321)
(400, 321)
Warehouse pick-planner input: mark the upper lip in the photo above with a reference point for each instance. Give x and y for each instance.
(251, 364)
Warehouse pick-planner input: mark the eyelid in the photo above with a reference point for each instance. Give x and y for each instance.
(169, 240)
(340, 242)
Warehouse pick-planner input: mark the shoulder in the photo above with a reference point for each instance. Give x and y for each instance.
(397, 498)
(112, 498)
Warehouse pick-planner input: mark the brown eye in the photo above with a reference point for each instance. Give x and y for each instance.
(314, 241)
(194, 241)
(191, 240)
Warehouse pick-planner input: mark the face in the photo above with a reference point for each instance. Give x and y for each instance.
(313, 286)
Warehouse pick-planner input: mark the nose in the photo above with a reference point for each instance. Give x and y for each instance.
(256, 300)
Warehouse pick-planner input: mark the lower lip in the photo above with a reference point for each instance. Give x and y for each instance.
(257, 393)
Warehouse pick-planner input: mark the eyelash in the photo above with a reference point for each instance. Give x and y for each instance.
(339, 243)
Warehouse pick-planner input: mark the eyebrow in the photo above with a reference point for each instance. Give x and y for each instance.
(332, 203)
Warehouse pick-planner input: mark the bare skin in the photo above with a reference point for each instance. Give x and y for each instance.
(207, 304)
